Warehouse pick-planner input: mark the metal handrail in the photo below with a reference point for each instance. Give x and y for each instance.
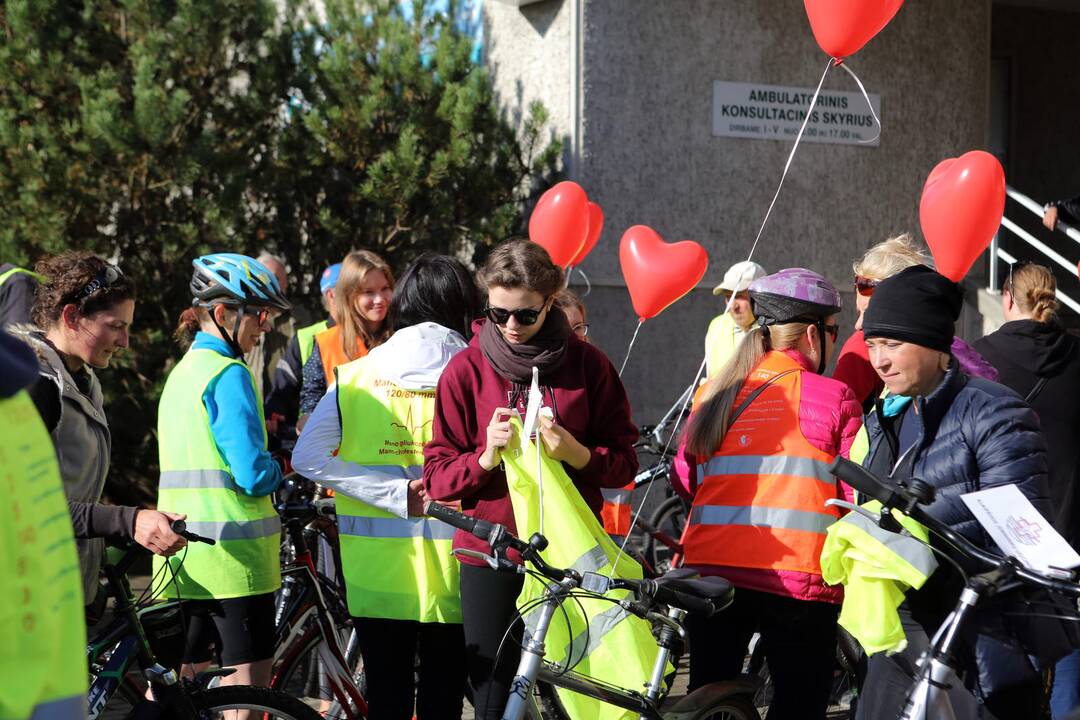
(996, 252)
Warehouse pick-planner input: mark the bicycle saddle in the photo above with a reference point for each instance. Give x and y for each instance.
(684, 580)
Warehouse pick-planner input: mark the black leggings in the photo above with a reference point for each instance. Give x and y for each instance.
(488, 604)
(240, 629)
(800, 647)
(391, 648)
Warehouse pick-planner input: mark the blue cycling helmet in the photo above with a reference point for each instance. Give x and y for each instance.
(232, 279)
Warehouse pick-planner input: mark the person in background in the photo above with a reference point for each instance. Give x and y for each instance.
(17, 286)
(83, 310)
(591, 433)
(215, 467)
(574, 308)
(882, 261)
(757, 451)
(1064, 210)
(43, 666)
(362, 296)
(726, 330)
(958, 434)
(268, 352)
(364, 441)
(283, 400)
(1037, 358)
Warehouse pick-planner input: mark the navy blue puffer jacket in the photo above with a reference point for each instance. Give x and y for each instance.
(974, 434)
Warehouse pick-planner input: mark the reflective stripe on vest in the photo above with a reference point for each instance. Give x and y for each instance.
(332, 351)
(195, 480)
(305, 339)
(394, 568)
(41, 610)
(761, 500)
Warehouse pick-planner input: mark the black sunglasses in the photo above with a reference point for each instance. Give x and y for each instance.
(109, 275)
(833, 330)
(500, 316)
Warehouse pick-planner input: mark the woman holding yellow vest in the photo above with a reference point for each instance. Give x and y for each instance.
(215, 468)
(362, 295)
(365, 440)
(758, 448)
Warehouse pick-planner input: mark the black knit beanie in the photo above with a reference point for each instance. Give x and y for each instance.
(916, 305)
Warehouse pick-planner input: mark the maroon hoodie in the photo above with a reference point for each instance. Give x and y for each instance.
(588, 399)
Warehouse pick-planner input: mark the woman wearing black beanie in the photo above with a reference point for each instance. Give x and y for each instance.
(959, 434)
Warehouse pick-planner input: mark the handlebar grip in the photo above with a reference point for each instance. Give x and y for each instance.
(479, 528)
(862, 480)
(180, 528)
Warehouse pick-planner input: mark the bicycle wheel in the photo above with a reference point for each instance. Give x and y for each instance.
(732, 708)
(669, 518)
(269, 703)
(301, 674)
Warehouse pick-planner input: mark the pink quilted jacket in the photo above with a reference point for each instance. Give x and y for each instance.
(829, 417)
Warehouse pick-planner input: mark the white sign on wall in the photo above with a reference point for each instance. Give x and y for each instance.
(776, 112)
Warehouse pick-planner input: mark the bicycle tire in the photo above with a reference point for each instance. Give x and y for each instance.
(669, 517)
(731, 708)
(272, 703)
(297, 672)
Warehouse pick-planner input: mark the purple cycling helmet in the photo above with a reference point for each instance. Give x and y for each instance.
(793, 295)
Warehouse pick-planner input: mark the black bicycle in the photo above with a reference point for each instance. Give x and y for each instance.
(151, 638)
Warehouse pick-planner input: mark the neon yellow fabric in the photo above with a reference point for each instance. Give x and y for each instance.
(860, 446)
(620, 649)
(721, 341)
(43, 665)
(396, 568)
(305, 336)
(5, 276)
(875, 567)
(195, 480)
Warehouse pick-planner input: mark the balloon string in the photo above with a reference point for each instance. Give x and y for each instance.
(566, 275)
(868, 103)
(687, 396)
(588, 285)
(630, 347)
(791, 157)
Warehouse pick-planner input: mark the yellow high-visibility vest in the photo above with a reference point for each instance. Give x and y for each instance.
(305, 337)
(396, 568)
(196, 481)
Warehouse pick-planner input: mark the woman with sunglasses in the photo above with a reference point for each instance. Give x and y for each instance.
(882, 261)
(215, 468)
(1040, 360)
(591, 432)
(757, 451)
(82, 312)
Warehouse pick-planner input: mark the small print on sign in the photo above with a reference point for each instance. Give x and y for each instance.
(1019, 530)
(776, 112)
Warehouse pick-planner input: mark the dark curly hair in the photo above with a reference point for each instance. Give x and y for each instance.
(79, 279)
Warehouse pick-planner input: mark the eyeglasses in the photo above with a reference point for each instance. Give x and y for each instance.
(581, 329)
(524, 316)
(262, 314)
(865, 286)
(833, 330)
(109, 275)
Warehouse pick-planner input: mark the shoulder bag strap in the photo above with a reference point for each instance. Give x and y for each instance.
(753, 396)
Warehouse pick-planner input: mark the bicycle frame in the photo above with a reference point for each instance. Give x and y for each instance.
(294, 612)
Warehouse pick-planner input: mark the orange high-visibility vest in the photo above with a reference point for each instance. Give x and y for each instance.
(332, 351)
(616, 511)
(761, 499)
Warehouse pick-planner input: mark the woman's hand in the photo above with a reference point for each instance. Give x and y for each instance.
(499, 433)
(563, 446)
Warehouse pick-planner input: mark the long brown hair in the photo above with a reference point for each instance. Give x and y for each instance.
(1034, 290)
(354, 269)
(710, 421)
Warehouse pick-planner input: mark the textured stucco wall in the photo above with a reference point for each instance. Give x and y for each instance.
(649, 156)
(528, 51)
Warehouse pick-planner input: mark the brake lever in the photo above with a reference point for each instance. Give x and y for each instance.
(326, 506)
(492, 562)
(885, 521)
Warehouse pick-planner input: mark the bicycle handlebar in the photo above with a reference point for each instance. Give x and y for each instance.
(910, 503)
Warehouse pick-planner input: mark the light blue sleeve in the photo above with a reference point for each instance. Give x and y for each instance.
(238, 431)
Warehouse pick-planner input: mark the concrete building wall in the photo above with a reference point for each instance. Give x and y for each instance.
(648, 154)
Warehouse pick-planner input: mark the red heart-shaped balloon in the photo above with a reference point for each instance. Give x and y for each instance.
(961, 207)
(658, 273)
(842, 27)
(596, 225)
(560, 222)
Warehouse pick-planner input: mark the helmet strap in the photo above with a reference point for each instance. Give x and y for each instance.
(230, 340)
(820, 325)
